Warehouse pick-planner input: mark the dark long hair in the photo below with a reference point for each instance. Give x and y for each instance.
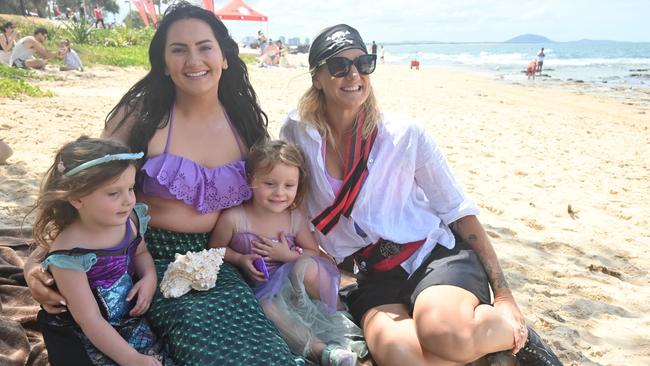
(151, 98)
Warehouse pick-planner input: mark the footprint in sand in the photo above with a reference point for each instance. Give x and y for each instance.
(494, 210)
(533, 224)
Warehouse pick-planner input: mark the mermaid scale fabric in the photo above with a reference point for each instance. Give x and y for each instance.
(212, 327)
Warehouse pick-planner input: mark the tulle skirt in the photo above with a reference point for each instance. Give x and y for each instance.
(307, 315)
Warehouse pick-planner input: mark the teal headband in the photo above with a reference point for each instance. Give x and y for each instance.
(102, 160)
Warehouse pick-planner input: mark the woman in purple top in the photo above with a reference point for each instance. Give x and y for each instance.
(194, 115)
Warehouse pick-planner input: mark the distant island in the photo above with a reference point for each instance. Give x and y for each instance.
(529, 38)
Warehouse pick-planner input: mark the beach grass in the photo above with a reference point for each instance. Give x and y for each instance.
(114, 56)
(15, 82)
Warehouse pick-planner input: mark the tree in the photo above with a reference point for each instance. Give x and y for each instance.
(40, 6)
(19, 6)
(133, 20)
(110, 6)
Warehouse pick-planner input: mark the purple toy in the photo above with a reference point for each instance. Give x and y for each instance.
(260, 265)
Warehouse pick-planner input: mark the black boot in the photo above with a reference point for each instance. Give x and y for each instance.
(536, 352)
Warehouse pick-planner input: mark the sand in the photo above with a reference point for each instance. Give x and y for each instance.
(524, 152)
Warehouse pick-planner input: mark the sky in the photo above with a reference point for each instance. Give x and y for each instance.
(451, 20)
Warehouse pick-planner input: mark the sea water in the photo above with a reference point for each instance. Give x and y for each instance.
(603, 63)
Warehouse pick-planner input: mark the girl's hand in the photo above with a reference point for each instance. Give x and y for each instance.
(246, 264)
(40, 284)
(273, 250)
(144, 290)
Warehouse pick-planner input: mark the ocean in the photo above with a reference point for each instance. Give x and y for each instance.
(600, 63)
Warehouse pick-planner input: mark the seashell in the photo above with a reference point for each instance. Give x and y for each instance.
(192, 270)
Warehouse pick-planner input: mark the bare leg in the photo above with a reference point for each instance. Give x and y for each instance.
(392, 338)
(451, 323)
(35, 64)
(297, 337)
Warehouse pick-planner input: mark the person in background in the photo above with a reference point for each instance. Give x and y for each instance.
(382, 193)
(261, 41)
(373, 48)
(23, 53)
(381, 54)
(7, 41)
(57, 12)
(271, 55)
(540, 60)
(71, 60)
(99, 16)
(82, 13)
(531, 70)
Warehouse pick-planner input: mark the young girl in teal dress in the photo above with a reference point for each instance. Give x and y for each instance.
(89, 224)
(271, 242)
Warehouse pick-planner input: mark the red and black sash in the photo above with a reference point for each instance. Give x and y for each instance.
(355, 173)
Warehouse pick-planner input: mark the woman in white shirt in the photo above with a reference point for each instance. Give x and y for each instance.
(381, 191)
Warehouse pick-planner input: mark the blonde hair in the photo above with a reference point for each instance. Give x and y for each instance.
(311, 109)
(53, 210)
(264, 156)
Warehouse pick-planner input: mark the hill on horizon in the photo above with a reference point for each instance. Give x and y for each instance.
(529, 38)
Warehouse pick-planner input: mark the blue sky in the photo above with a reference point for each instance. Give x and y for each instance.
(453, 20)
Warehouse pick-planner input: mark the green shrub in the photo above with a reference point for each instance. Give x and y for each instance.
(248, 59)
(115, 56)
(13, 82)
(78, 32)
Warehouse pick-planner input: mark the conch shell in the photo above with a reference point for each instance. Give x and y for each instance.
(192, 270)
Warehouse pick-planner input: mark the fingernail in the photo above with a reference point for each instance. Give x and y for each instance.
(63, 303)
(64, 310)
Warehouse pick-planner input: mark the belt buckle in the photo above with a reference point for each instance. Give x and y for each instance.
(388, 248)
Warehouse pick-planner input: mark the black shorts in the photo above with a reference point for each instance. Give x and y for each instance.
(458, 267)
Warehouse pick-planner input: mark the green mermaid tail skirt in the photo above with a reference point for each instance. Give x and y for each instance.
(222, 326)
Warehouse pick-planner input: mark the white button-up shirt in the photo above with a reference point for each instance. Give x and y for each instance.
(409, 195)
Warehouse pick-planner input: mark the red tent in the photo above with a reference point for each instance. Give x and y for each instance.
(239, 10)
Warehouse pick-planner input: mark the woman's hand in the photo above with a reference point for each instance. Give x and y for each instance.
(40, 285)
(144, 290)
(273, 250)
(246, 264)
(505, 303)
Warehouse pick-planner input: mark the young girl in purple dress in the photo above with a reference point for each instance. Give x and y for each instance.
(89, 224)
(271, 242)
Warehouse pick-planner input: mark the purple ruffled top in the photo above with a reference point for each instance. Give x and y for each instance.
(206, 189)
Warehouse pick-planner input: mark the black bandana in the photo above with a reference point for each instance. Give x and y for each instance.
(333, 40)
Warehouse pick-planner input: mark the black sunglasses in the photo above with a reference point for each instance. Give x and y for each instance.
(340, 66)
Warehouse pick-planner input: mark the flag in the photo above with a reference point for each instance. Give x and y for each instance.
(152, 11)
(143, 13)
(208, 5)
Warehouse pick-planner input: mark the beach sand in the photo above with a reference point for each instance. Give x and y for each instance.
(525, 153)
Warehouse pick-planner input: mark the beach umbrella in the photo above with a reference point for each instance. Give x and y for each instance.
(239, 10)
